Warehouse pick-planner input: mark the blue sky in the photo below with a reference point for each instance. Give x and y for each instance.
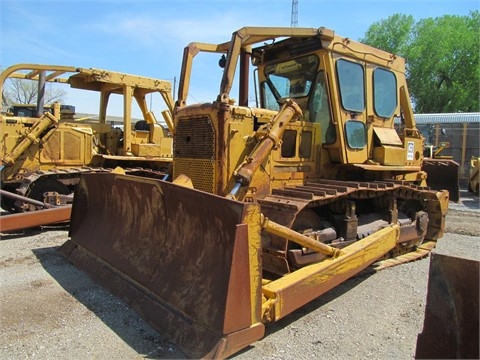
(147, 37)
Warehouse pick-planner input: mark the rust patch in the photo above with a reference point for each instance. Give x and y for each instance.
(178, 256)
(451, 328)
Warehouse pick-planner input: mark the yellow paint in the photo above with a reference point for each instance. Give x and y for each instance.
(303, 240)
(309, 279)
(474, 175)
(118, 170)
(68, 144)
(184, 181)
(254, 254)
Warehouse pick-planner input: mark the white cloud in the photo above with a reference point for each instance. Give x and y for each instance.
(149, 30)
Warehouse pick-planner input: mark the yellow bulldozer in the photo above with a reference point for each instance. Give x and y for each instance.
(270, 205)
(442, 170)
(474, 176)
(44, 147)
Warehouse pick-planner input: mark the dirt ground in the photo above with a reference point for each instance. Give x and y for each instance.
(49, 309)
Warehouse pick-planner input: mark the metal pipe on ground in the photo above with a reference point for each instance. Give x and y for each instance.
(24, 199)
(35, 218)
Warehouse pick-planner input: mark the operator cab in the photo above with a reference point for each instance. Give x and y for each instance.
(343, 94)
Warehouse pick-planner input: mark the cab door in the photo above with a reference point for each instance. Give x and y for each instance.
(351, 88)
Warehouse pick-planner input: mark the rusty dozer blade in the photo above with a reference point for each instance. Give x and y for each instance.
(442, 174)
(187, 261)
(451, 325)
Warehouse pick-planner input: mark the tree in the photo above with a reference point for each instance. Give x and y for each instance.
(20, 91)
(392, 34)
(442, 55)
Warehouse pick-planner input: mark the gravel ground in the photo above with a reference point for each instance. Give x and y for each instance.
(49, 309)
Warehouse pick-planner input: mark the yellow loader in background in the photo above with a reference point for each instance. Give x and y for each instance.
(45, 147)
(474, 176)
(271, 205)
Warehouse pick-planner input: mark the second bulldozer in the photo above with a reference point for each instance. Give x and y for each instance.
(474, 176)
(44, 147)
(271, 205)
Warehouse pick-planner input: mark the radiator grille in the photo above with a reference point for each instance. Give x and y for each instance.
(194, 149)
(200, 171)
(194, 138)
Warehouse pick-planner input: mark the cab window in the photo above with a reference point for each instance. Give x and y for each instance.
(289, 79)
(384, 92)
(351, 82)
(356, 134)
(320, 109)
(269, 100)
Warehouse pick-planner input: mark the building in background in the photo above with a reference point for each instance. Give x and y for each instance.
(460, 130)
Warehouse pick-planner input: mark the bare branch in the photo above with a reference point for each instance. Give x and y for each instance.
(22, 91)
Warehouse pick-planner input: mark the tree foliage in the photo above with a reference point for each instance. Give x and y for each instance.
(20, 91)
(392, 34)
(442, 56)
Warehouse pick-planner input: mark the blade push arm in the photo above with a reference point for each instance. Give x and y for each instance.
(273, 138)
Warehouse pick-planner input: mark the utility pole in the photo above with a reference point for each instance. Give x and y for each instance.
(294, 19)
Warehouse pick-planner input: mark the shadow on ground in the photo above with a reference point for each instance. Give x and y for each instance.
(319, 302)
(111, 310)
(469, 200)
(128, 325)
